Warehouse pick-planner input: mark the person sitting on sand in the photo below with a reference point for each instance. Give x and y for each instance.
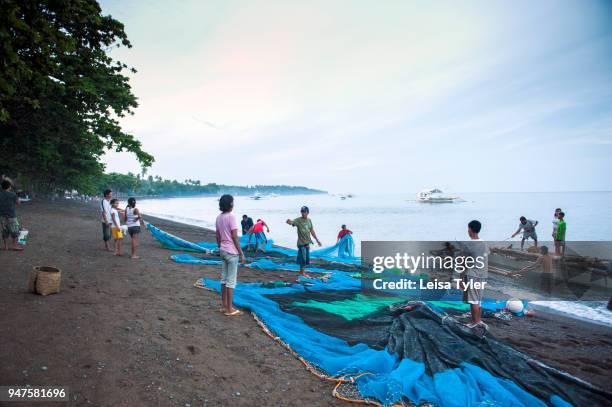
(247, 225)
(546, 262)
(555, 222)
(475, 276)
(132, 221)
(105, 212)
(343, 232)
(260, 236)
(229, 249)
(560, 235)
(304, 230)
(116, 231)
(528, 228)
(8, 216)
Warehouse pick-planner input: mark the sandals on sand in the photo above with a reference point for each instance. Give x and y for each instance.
(234, 313)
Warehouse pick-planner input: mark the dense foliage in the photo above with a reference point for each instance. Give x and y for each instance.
(131, 184)
(61, 93)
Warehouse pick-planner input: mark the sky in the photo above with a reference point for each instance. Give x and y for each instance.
(372, 97)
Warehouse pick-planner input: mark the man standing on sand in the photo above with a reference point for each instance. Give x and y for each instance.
(8, 216)
(528, 228)
(226, 231)
(546, 262)
(304, 230)
(105, 211)
(560, 235)
(475, 276)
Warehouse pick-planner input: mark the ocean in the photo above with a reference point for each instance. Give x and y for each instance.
(401, 217)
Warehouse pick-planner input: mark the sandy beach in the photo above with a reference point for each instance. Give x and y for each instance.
(137, 332)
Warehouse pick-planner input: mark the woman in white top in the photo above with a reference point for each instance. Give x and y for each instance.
(555, 222)
(132, 221)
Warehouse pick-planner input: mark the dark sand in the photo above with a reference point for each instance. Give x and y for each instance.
(136, 332)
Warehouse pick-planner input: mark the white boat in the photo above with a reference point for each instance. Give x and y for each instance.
(256, 196)
(435, 195)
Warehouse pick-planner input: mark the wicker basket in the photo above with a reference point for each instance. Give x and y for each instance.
(44, 280)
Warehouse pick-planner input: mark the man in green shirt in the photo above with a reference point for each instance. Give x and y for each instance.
(304, 230)
(560, 235)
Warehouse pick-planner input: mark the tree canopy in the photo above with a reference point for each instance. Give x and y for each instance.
(61, 94)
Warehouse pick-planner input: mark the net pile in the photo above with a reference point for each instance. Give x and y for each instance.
(390, 350)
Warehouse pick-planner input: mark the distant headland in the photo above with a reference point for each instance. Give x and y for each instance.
(156, 186)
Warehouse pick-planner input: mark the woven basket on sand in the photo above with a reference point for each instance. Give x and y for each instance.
(44, 280)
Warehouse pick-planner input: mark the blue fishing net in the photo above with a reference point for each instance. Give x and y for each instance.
(427, 357)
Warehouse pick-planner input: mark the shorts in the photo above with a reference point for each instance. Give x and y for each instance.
(303, 255)
(528, 235)
(117, 233)
(260, 237)
(9, 226)
(229, 269)
(106, 231)
(546, 283)
(133, 230)
(473, 295)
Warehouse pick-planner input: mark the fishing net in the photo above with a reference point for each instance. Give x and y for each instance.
(387, 350)
(341, 252)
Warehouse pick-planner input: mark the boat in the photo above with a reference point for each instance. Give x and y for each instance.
(435, 195)
(256, 196)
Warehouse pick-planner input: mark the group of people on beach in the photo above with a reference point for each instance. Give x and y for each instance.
(112, 228)
(559, 229)
(230, 249)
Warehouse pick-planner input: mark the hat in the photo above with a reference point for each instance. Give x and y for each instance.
(304, 209)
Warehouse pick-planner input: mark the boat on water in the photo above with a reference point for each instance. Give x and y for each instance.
(435, 195)
(256, 196)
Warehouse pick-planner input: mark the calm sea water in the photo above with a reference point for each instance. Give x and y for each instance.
(400, 217)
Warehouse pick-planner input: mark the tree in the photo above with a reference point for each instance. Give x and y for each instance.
(61, 94)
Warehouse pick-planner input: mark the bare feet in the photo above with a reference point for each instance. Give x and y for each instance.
(135, 257)
(17, 249)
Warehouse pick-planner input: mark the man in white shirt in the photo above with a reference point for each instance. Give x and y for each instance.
(105, 212)
(477, 275)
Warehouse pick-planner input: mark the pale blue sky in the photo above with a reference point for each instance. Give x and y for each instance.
(366, 96)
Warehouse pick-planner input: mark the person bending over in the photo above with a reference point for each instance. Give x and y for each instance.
(528, 228)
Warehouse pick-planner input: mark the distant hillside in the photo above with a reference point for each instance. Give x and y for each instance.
(130, 184)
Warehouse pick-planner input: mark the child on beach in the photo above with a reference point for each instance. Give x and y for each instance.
(260, 237)
(304, 230)
(476, 276)
(560, 235)
(116, 227)
(229, 250)
(132, 221)
(9, 225)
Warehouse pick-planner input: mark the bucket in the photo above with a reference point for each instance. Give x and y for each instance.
(44, 280)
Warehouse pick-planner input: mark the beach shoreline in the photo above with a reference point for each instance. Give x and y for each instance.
(141, 329)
